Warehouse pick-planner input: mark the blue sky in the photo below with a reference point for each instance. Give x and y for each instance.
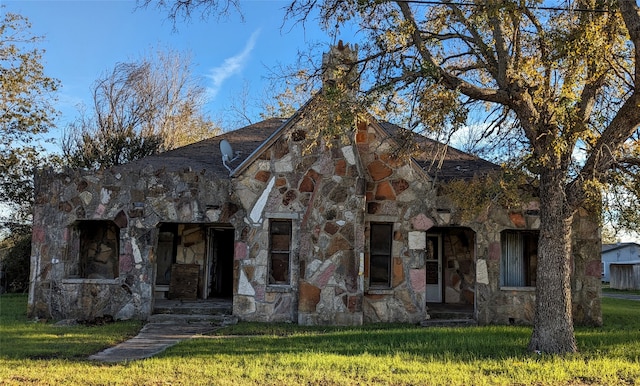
(84, 39)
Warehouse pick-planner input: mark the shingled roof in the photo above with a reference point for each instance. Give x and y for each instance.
(436, 159)
(206, 153)
(441, 161)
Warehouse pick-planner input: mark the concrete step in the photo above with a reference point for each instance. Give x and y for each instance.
(450, 314)
(217, 320)
(448, 322)
(187, 307)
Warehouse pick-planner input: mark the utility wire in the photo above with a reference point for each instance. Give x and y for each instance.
(465, 4)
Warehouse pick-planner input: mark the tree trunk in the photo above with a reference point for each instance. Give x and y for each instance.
(553, 321)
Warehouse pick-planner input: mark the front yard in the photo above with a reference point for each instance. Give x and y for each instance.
(257, 354)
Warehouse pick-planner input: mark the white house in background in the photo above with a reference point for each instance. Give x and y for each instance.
(612, 253)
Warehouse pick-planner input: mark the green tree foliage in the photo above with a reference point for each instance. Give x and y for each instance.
(559, 82)
(26, 113)
(139, 108)
(560, 86)
(15, 256)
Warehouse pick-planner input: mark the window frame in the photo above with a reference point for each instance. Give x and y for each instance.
(86, 228)
(522, 256)
(380, 253)
(271, 279)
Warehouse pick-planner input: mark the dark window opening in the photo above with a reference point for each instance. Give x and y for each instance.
(380, 255)
(166, 252)
(99, 249)
(519, 258)
(279, 251)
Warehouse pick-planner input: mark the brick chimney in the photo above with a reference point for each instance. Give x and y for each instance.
(339, 67)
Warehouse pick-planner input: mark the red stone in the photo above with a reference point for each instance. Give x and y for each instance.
(354, 304)
(308, 298)
(378, 170)
(373, 207)
(518, 220)
(340, 167)
(338, 243)
(240, 250)
(494, 251)
(331, 228)
(593, 268)
(400, 185)
(281, 182)
(263, 175)
(288, 197)
(398, 272)
(306, 185)
(384, 191)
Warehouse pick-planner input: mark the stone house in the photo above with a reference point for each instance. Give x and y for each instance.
(346, 233)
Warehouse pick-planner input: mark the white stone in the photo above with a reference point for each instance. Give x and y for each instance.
(341, 222)
(337, 179)
(406, 196)
(126, 312)
(312, 268)
(171, 212)
(256, 212)
(260, 273)
(405, 172)
(262, 257)
(284, 165)
(137, 256)
(482, 275)
(348, 154)
(213, 215)
(417, 240)
(246, 196)
(86, 197)
(244, 287)
(118, 176)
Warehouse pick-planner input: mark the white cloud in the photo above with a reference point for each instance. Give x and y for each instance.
(230, 66)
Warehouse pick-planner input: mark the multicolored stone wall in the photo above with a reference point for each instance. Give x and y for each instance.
(322, 194)
(396, 192)
(136, 198)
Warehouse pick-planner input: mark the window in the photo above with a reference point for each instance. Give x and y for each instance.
(279, 251)
(99, 249)
(380, 255)
(519, 258)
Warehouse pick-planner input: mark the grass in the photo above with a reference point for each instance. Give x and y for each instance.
(606, 288)
(279, 354)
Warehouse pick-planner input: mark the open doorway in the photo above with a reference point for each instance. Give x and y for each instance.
(194, 261)
(220, 278)
(450, 268)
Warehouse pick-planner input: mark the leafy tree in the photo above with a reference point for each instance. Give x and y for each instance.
(26, 113)
(558, 85)
(15, 257)
(139, 108)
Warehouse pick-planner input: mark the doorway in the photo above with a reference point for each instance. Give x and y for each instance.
(220, 261)
(194, 261)
(433, 268)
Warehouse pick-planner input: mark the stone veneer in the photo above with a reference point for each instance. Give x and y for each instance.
(137, 198)
(331, 196)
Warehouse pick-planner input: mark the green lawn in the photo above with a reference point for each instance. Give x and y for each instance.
(257, 354)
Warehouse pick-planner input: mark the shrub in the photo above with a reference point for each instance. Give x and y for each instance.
(14, 263)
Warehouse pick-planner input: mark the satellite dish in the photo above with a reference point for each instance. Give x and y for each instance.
(227, 153)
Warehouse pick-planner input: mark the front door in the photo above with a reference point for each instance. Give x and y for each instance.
(433, 265)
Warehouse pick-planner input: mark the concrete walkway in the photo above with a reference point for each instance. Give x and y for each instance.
(158, 335)
(618, 295)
